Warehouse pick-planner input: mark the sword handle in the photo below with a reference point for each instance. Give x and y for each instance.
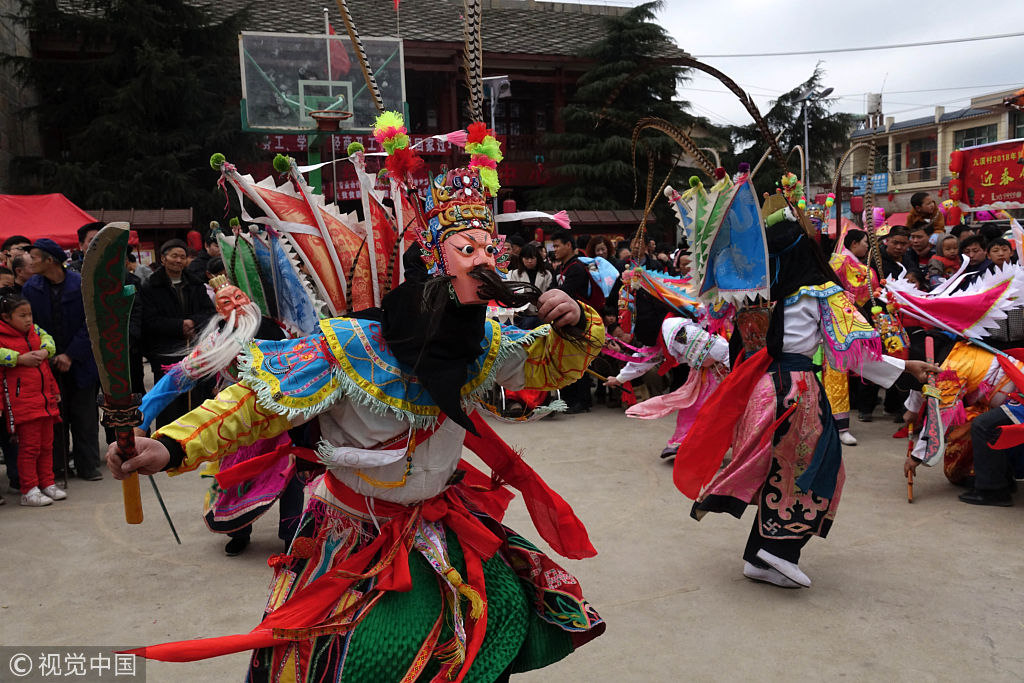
(130, 486)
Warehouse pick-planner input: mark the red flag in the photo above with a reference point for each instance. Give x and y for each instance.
(340, 63)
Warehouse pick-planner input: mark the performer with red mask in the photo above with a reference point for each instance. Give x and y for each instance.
(401, 569)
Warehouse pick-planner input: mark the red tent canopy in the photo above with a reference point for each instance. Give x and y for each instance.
(898, 219)
(42, 215)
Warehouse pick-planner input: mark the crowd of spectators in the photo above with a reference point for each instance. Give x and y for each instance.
(41, 290)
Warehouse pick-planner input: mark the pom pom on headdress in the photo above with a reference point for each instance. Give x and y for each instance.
(694, 181)
(743, 167)
(485, 151)
(477, 131)
(389, 130)
(719, 173)
(354, 147)
(282, 164)
(830, 200)
(217, 160)
(402, 163)
(234, 222)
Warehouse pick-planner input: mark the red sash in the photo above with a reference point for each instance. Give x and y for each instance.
(701, 452)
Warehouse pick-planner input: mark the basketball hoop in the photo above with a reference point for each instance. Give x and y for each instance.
(329, 120)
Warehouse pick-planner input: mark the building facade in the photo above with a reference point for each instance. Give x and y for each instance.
(913, 155)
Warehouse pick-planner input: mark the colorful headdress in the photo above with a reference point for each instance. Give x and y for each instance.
(457, 202)
(787, 204)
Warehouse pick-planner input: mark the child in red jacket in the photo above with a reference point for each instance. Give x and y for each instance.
(30, 398)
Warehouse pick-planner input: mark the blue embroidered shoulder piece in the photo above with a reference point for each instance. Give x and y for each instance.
(349, 358)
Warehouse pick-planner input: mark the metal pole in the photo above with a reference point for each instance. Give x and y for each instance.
(494, 102)
(807, 153)
(839, 208)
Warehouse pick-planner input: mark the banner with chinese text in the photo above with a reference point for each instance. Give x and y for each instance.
(993, 176)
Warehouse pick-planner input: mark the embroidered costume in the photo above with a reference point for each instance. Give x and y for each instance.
(232, 510)
(687, 343)
(401, 569)
(786, 454)
(391, 458)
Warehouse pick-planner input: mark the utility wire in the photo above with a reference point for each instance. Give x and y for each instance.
(867, 48)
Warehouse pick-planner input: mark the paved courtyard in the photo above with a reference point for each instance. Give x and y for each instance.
(925, 592)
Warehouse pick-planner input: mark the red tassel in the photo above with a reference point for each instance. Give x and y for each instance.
(403, 163)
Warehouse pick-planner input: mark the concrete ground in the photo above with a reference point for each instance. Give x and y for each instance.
(924, 592)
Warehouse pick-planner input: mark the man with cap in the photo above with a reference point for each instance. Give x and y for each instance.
(175, 306)
(56, 298)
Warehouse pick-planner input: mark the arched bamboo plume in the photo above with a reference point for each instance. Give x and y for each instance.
(842, 162)
(364, 64)
(799, 150)
(745, 99)
(473, 59)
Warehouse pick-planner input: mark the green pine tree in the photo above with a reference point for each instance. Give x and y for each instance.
(133, 96)
(827, 134)
(633, 78)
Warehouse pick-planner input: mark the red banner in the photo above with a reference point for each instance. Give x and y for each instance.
(425, 145)
(992, 176)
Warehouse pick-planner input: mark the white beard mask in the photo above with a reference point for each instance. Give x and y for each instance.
(221, 341)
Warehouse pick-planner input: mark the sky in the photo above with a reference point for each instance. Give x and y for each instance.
(912, 80)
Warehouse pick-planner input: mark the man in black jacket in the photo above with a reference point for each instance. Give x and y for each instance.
(175, 306)
(894, 251)
(211, 250)
(573, 278)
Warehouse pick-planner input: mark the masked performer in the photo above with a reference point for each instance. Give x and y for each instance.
(978, 396)
(401, 569)
(682, 342)
(786, 457)
(232, 509)
(848, 263)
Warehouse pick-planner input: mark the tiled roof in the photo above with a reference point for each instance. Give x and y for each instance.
(963, 114)
(142, 219)
(529, 28)
(509, 26)
(922, 121)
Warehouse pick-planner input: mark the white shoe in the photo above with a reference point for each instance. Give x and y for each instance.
(785, 567)
(767, 575)
(847, 438)
(35, 498)
(55, 493)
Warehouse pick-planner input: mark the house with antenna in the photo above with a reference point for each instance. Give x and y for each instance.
(913, 155)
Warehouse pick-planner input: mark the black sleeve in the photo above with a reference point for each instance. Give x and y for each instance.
(176, 451)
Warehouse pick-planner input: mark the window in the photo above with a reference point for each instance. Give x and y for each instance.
(921, 158)
(882, 159)
(897, 157)
(1017, 125)
(980, 135)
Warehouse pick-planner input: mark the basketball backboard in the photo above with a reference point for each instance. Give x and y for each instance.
(285, 76)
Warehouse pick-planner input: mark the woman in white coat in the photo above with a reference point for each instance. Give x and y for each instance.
(537, 272)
